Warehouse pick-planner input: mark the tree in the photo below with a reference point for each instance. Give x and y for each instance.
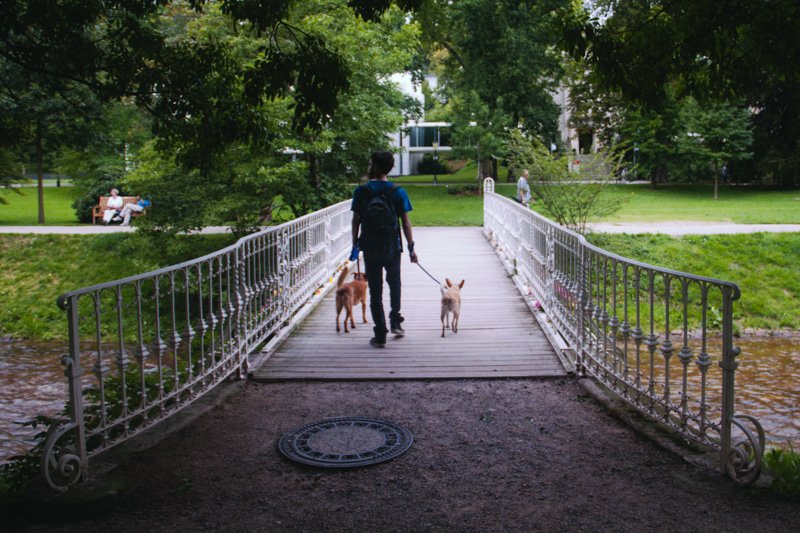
(106, 154)
(36, 122)
(571, 203)
(736, 50)
(509, 65)
(201, 99)
(716, 135)
(306, 168)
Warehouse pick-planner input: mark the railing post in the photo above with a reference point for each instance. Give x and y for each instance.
(579, 309)
(241, 289)
(550, 268)
(71, 464)
(728, 365)
(284, 274)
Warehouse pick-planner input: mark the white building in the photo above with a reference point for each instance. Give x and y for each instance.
(415, 139)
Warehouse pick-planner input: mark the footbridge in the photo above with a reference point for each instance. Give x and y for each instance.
(538, 300)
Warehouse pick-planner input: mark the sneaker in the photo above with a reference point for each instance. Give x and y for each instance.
(396, 328)
(378, 343)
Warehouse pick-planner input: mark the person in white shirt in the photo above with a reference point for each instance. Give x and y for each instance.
(113, 205)
(523, 189)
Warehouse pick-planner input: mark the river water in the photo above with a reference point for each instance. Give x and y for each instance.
(32, 383)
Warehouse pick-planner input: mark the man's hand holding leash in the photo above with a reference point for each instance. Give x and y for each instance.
(412, 254)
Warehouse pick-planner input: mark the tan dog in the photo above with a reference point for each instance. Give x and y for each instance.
(350, 294)
(451, 303)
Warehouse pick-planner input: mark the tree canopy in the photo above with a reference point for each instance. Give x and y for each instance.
(737, 50)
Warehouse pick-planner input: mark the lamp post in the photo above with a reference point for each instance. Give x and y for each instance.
(435, 162)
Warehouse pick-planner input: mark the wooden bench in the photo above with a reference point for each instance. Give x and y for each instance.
(97, 211)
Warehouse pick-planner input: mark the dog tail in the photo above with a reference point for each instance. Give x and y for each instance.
(342, 278)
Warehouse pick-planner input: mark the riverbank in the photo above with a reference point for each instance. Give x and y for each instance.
(488, 455)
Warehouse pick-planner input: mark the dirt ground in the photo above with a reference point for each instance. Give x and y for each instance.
(488, 455)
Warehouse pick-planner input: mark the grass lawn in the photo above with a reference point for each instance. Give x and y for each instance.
(36, 269)
(764, 265)
(743, 205)
(23, 209)
(468, 174)
(433, 206)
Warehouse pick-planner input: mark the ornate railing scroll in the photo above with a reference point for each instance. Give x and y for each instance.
(144, 347)
(661, 340)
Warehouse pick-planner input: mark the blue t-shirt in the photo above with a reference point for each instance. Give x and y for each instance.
(399, 197)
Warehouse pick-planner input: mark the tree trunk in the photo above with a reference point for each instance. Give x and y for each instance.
(716, 178)
(485, 168)
(511, 177)
(40, 171)
(313, 172)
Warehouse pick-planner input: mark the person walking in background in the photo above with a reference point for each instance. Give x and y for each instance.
(523, 189)
(377, 206)
(113, 205)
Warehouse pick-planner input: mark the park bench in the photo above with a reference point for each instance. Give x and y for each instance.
(97, 211)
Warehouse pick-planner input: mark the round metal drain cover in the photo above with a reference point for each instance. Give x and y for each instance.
(345, 442)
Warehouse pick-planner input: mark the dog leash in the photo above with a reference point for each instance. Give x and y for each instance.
(429, 274)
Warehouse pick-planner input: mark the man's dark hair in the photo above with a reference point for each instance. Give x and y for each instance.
(380, 164)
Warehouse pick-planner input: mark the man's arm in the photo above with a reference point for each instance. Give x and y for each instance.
(409, 237)
(356, 224)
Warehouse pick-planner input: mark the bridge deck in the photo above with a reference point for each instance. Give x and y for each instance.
(497, 336)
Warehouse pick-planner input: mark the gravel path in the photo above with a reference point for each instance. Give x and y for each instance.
(489, 455)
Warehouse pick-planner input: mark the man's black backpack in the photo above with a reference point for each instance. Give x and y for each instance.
(380, 231)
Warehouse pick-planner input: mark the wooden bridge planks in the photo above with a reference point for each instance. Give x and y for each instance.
(497, 336)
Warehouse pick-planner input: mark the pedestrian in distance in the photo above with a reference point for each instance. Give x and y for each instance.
(380, 210)
(523, 189)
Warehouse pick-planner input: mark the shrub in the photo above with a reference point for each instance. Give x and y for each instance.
(464, 190)
(785, 466)
(429, 165)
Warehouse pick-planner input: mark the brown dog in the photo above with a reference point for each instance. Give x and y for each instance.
(451, 303)
(350, 294)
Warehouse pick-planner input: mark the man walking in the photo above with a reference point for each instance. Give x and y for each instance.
(376, 207)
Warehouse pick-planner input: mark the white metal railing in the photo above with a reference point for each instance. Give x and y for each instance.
(158, 341)
(661, 340)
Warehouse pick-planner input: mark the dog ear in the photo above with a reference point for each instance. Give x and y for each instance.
(448, 282)
(461, 284)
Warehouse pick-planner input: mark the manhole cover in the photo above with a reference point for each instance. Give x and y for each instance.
(345, 442)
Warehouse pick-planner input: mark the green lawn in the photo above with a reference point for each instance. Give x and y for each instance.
(468, 174)
(23, 209)
(433, 206)
(743, 205)
(764, 265)
(36, 269)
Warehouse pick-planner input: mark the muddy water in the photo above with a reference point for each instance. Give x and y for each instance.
(32, 382)
(768, 385)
